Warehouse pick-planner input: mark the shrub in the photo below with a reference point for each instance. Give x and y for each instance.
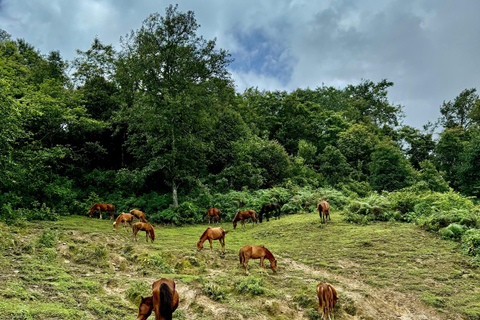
(215, 292)
(136, 291)
(253, 286)
(454, 231)
(471, 242)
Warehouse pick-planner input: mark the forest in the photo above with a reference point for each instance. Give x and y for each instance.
(158, 125)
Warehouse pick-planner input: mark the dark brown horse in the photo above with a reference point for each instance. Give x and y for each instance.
(139, 215)
(244, 215)
(267, 208)
(212, 234)
(144, 226)
(124, 218)
(163, 302)
(110, 208)
(213, 214)
(327, 299)
(324, 211)
(249, 251)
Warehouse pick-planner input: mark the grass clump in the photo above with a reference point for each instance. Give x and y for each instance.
(250, 285)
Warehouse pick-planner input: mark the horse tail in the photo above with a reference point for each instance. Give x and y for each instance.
(166, 297)
(225, 232)
(240, 256)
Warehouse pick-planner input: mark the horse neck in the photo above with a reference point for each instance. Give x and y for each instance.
(204, 236)
(269, 255)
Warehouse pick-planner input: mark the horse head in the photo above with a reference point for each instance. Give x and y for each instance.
(199, 245)
(273, 265)
(145, 309)
(115, 226)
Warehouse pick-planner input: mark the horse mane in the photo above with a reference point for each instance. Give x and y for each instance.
(205, 233)
(117, 221)
(236, 217)
(268, 254)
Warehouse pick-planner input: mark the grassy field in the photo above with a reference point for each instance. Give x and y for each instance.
(78, 268)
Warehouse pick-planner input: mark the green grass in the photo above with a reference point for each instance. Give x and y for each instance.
(90, 272)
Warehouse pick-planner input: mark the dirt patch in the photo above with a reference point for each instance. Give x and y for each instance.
(371, 302)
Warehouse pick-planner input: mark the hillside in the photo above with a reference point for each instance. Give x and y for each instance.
(78, 268)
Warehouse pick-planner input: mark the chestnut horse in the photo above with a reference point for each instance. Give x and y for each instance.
(243, 215)
(267, 208)
(102, 207)
(144, 226)
(213, 215)
(212, 234)
(327, 298)
(164, 301)
(124, 218)
(324, 211)
(139, 215)
(249, 251)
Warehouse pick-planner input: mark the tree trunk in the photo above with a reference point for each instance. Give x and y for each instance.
(174, 194)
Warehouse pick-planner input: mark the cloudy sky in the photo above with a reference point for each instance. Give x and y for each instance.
(430, 49)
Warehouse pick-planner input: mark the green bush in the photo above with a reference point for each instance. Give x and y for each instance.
(253, 286)
(454, 231)
(215, 292)
(471, 242)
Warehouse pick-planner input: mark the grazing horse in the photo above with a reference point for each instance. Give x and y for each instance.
(267, 208)
(212, 234)
(256, 252)
(164, 301)
(214, 215)
(324, 211)
(102, 207)
(327, 298)
(139, 215)
(124, 218)
(243, 215)
(144, 226)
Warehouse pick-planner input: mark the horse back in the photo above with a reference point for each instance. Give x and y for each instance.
(165, 297)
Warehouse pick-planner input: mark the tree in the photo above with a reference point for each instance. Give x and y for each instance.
(448, 150)
(418, 146)
(469, 166)
(462, 110)
(175, 78)
(389, 170)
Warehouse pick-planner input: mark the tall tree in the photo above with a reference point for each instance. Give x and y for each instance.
(175, 77)
(461, 111)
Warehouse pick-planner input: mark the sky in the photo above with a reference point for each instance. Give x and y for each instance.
(429, 49)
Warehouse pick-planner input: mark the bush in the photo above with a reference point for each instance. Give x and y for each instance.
(454, 231)
(250, 285)
(215, 292)
(471, 242)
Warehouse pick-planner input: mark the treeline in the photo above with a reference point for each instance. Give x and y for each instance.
(158, 125)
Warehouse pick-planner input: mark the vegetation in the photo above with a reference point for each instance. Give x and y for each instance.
(158, 126)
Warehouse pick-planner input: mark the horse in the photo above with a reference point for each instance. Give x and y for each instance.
(164, 301)
(212, 234)
(102, 207)
(324, 211)
(144, 226)
(139, 215)
(243, 215)
(213, 214)
(327, 298)
(124, 218)
(267, 208)
(256, 252)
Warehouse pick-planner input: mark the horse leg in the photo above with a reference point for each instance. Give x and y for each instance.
(245, 264)
(211, 247)
(261, 262)
(99, 213)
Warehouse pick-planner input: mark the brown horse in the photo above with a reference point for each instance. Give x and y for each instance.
(164, 301)
(327, 298)
(213, 214)
(144, 226)
(110, 208)
(124, 218)
(243, 215)
(249, 251)
(267, 208)
(212, 234)
(139, 215)
(324, 211)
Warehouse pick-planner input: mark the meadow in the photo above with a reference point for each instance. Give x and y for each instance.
(78, 268)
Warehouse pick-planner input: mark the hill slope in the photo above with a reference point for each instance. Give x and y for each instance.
(78, 268)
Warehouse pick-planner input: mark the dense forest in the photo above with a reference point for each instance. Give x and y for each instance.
(158, 125)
